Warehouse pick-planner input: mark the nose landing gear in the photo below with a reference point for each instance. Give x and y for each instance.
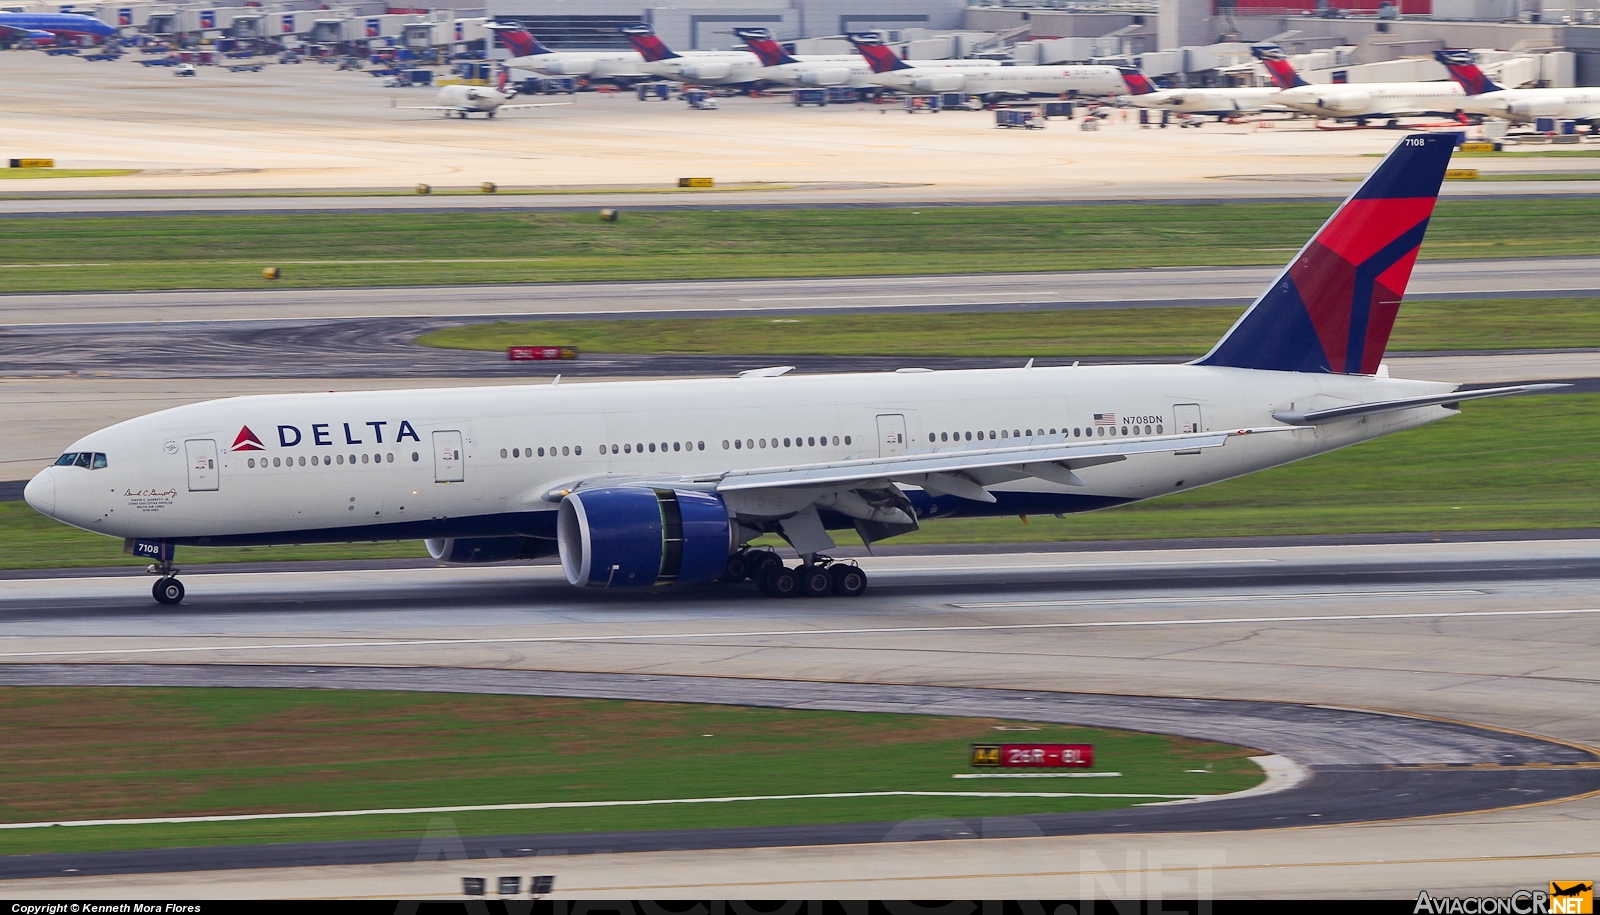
(168, 589)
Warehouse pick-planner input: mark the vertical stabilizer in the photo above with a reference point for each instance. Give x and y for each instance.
(764, 46)
(644, 40)
(1332, 308)
(1463, 67)
(1136, 81)
(1276, 60)
(879, 56)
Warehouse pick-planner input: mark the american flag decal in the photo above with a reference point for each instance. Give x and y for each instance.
(1105, 419)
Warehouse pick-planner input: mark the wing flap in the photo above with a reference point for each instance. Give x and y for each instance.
(1315, 417)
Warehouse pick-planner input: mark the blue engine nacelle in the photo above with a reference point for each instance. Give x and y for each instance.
(633, 537)
(487, 549)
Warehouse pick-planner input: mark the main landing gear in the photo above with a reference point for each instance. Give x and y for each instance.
(816, 576)
(168, 589)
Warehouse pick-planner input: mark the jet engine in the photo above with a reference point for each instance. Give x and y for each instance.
(1535, 108)
(569, 66)
(633, 537)
(1350, 102)
(708, 72)
(487, 549)
(836, 76)
(939, 82)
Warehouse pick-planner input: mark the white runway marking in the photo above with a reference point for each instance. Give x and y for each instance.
(559, 805)
(772, 633)
(1210, 598)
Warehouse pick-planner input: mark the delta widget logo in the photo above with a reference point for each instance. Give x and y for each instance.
(247, 441)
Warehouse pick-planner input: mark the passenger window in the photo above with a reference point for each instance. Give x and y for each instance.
(846, 440)
(416, 457)
(969, 436)
(737, 443)
(724, 444)
(1158, 430)
(675, 446)
(652, 447)
(703, 445)
(250, 463)
(302, 462)
(99, 461)
(503, 454)
(577, 449)
(565, 450)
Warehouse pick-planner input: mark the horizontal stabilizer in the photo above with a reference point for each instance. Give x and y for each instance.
(1300, 418)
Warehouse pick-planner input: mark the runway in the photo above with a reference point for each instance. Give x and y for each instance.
(1156, 287)
(1301, 641)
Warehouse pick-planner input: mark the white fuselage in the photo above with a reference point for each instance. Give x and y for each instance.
(474, 98)
(481, 461)
(993, 79)
(822, 71)
(1350, 100)
(1524, 105)
(708, 68)
(1244, 100)
(589, 64)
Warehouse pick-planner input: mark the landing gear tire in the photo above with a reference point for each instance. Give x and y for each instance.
(738, 568)
(815, 581)
(780, 582)
(847, 581)
(168, 591)
(759, 561)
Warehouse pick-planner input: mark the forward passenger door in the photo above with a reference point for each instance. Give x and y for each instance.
(202, 455)
(448, 464)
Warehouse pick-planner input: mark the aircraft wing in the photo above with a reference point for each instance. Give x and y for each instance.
(538, 105)
(1049, 461)
(440, 108)
(1315, 417)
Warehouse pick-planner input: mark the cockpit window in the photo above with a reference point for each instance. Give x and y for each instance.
(93, 460)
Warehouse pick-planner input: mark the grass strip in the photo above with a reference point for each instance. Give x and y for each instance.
(1516, 464)
(226, 251)
(1471, 324)
(25, 173)
(89, 753)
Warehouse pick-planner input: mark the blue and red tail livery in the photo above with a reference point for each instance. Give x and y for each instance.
(1463, 69)
(764, 46)
(644, 40)
(879, 56)
(1137, 82)
(518, 40)
(1276, 60)
(1332, 308)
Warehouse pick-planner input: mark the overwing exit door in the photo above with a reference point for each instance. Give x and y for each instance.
(448, 464)
(202, 455)
(891, 434)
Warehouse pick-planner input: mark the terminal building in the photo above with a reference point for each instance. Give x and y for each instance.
(1176, 42)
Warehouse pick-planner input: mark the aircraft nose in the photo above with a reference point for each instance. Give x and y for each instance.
(41, 493)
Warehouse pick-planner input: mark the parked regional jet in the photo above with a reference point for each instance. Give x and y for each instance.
(45, 28)
(1223, 102)
(1359, 101)
(987, 78)
(780, 66)
(464, 100)
(1520, 105)
(600, 64)
(649, 484)
(704, 68)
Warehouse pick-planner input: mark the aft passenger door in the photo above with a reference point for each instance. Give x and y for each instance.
(1186, 418)
(448, 465)
(202, 454)
(891, 434)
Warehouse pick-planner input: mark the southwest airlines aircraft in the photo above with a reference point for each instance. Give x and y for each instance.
(47, 27)
(652, 484)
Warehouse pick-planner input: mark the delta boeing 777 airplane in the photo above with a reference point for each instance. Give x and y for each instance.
(650, 484)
